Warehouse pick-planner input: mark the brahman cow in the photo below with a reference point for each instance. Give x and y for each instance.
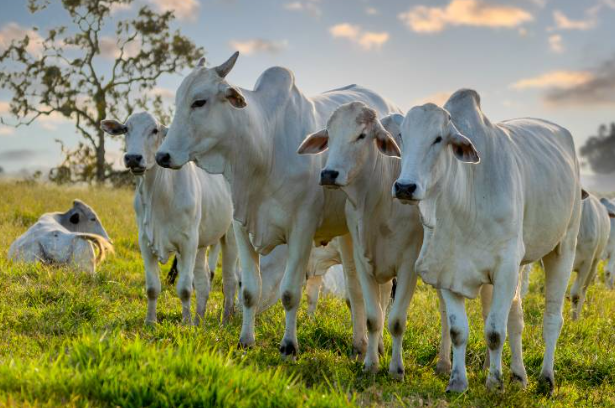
(609, 252)
(183, 212)
(591, 244)
(252, 137)
(492, 197)
(73, 238)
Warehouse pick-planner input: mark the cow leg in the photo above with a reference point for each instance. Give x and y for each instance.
(406, 283)
(385, 299)
(375, 320)
(505, 281)
(577, 286)
(212, 259)
(229, 276)
(444, 358)
(185, 265)
(558, 267)
(609, 272)
(515, 331)
(202, 284)
(591, 277)
(152, 282)
(486, 296)
(299, 249)
(250, 282)
(526, 270)
(354, 296)
(312, 290)
(459, 330)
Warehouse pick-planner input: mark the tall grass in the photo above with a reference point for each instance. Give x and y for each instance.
(79, 340)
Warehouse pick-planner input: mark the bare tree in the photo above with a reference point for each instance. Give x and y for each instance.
(71, 76)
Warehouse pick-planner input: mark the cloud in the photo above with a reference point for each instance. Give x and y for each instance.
(18, 154)
(371, 11)
(14, 32)
(165, 93)
(476, 13)
(6, 131)
(597, 89)
(439, 98)
(110, 50)
(555, 43)
(365, 39)
(554, 79)
(183, 9)
(258, 46)
(311, 7)
(52, 121)
(5, 107)
(564, 23)
(116, 8)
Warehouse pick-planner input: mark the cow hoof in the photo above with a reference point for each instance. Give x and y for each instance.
(494, 383)
(443, 367)
(288, 350)
(246, 342)
(370, 368)
(359, 349)
(396, 373)
(546, 384)
(151, 323)
(457, 385)
(520, 379)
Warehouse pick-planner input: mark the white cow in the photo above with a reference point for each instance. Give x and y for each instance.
(75, 237)
(487, 213)
(609, 252)
(181, 212)
(251, 137)
(591, 243)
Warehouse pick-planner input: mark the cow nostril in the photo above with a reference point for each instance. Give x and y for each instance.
(412, 188)
(404, 189)
(163, 159)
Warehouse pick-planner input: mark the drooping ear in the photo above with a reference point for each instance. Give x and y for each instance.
(235, 97)
(384, 141)
(315, 143)
(113, 127)
(74, 219)
(223, 69)
(463, 148)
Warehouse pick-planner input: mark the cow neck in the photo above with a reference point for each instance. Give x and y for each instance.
(153, 182)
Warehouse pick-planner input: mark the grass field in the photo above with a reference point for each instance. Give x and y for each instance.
(72, 339)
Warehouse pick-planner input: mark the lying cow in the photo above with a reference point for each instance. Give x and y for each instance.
(73, 238)
(183, 212)
(591, 244)
(251, 137)
(482, 221)
(609, 252)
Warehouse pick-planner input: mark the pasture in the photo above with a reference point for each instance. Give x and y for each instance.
(78, 340)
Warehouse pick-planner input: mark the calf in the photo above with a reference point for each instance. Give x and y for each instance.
(75, 237)
(183, 212)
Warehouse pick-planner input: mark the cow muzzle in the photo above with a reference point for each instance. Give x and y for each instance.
(164, 160)
(134, 163)
(328, 178)
(405, 192)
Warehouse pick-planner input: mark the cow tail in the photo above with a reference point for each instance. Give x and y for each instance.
(172, 276)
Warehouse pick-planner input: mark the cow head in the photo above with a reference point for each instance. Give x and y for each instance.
(143, 137)
(205, 110)
(429, 138)
(82, 218)
(351, 132)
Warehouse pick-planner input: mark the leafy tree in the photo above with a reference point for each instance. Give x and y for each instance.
(71, 77)
(599, 150)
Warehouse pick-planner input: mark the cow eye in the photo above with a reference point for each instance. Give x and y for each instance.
(361, 136)
(438, 140)
(199, 104)
(155, 131)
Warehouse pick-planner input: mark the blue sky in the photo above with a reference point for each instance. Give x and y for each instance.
(553, 59)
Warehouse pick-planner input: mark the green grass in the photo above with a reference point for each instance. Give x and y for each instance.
(73, 339)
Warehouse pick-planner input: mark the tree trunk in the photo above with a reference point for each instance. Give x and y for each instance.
(100, 157)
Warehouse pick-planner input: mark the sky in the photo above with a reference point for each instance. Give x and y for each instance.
(551, 59)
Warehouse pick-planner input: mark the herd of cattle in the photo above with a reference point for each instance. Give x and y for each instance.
(286, 186)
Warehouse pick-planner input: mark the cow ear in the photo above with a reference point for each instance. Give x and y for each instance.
(315, 143)
(463, 148)
(384, 141)
(74, 219)
(113, 127)
(235, 97)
